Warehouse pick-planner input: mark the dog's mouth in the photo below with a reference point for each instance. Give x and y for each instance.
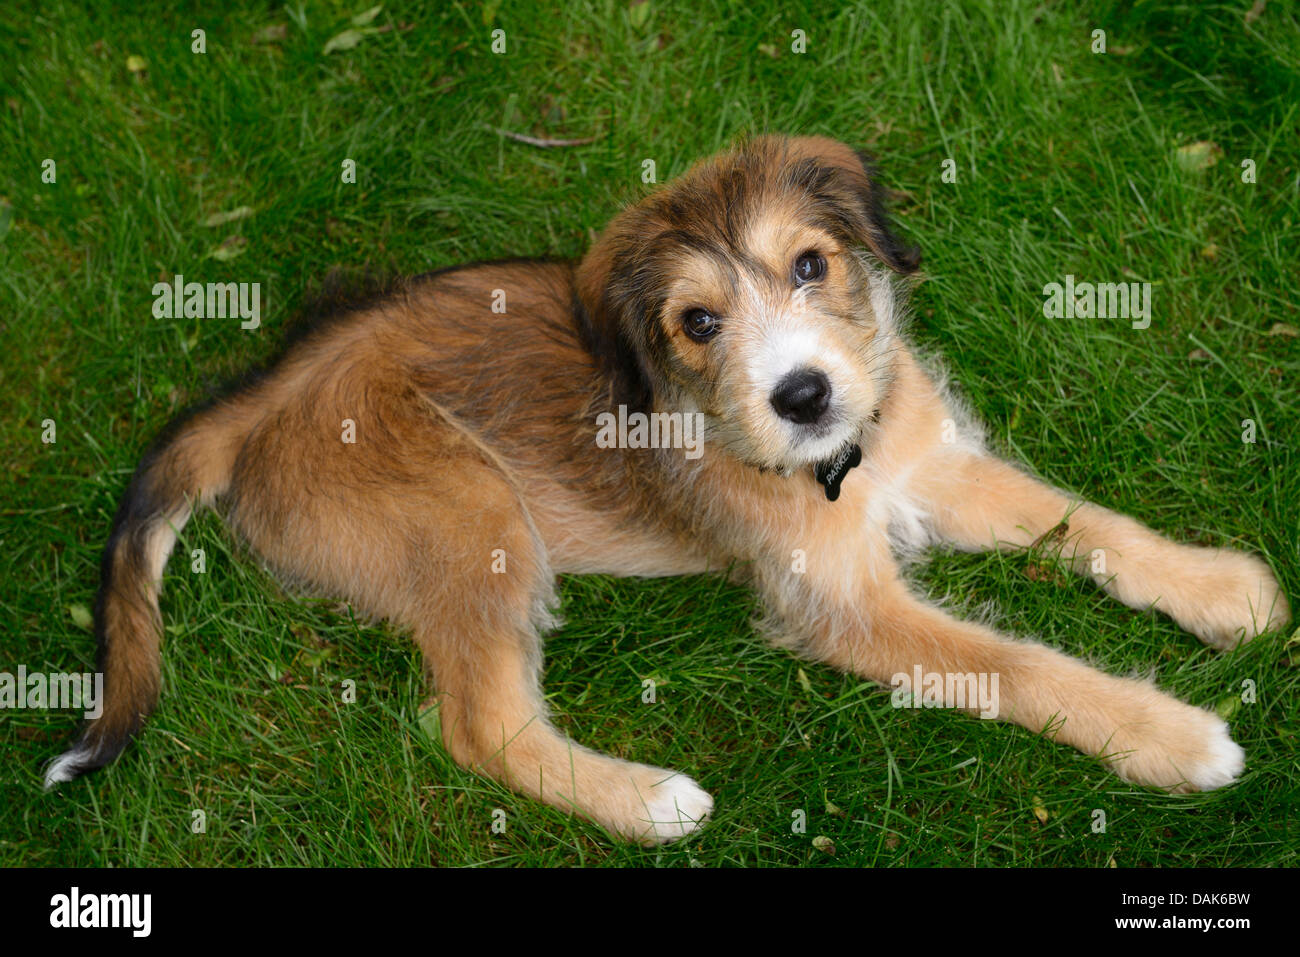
(825, 440)
(831, 448)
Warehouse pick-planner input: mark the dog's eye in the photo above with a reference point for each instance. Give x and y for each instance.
(700, 324)
(808, 267)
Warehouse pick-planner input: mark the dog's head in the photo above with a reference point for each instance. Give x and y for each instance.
(756, 289)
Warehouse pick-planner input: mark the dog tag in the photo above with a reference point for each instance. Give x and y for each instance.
(831, 472)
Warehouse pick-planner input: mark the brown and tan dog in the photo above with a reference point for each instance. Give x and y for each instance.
(756, 295)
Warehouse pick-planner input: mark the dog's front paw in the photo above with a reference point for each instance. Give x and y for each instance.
(1178, 748)
(673, 808)
(1228, 597)
(1220, 763)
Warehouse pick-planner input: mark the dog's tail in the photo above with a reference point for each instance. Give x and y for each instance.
(187, 468)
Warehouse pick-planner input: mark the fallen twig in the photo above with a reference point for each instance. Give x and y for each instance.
(544, 143)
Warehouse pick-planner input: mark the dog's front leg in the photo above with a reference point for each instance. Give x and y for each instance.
(888, 635)
(1220, 595)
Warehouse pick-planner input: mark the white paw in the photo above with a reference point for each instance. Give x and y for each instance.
(1172, 745)
(675, 808)
(1221, 764)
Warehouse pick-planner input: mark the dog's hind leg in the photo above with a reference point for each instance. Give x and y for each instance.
(1220, 595)
(494, 720)
(417, 522)
(479, 632)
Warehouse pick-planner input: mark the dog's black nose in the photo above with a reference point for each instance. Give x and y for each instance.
(802, 396)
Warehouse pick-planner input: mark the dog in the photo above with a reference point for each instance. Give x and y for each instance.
(432, 458)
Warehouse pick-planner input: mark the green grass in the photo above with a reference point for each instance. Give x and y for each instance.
(1066, 163)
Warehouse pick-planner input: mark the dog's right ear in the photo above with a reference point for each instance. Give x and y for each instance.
(600, 307)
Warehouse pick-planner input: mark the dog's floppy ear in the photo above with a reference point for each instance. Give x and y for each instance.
(850, 185)
(599, 309)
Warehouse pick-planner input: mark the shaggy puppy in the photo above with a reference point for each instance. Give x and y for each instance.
(437, 462)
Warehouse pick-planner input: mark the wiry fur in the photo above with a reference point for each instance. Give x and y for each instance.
(475, 438)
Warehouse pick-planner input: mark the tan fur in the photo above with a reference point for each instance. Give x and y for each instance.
(475, 439)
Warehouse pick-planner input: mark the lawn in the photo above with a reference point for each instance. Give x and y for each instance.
(1171, 158)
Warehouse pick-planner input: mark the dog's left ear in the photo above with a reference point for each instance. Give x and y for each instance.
(850, 187)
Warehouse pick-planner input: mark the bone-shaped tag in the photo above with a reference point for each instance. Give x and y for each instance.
(831, 472)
